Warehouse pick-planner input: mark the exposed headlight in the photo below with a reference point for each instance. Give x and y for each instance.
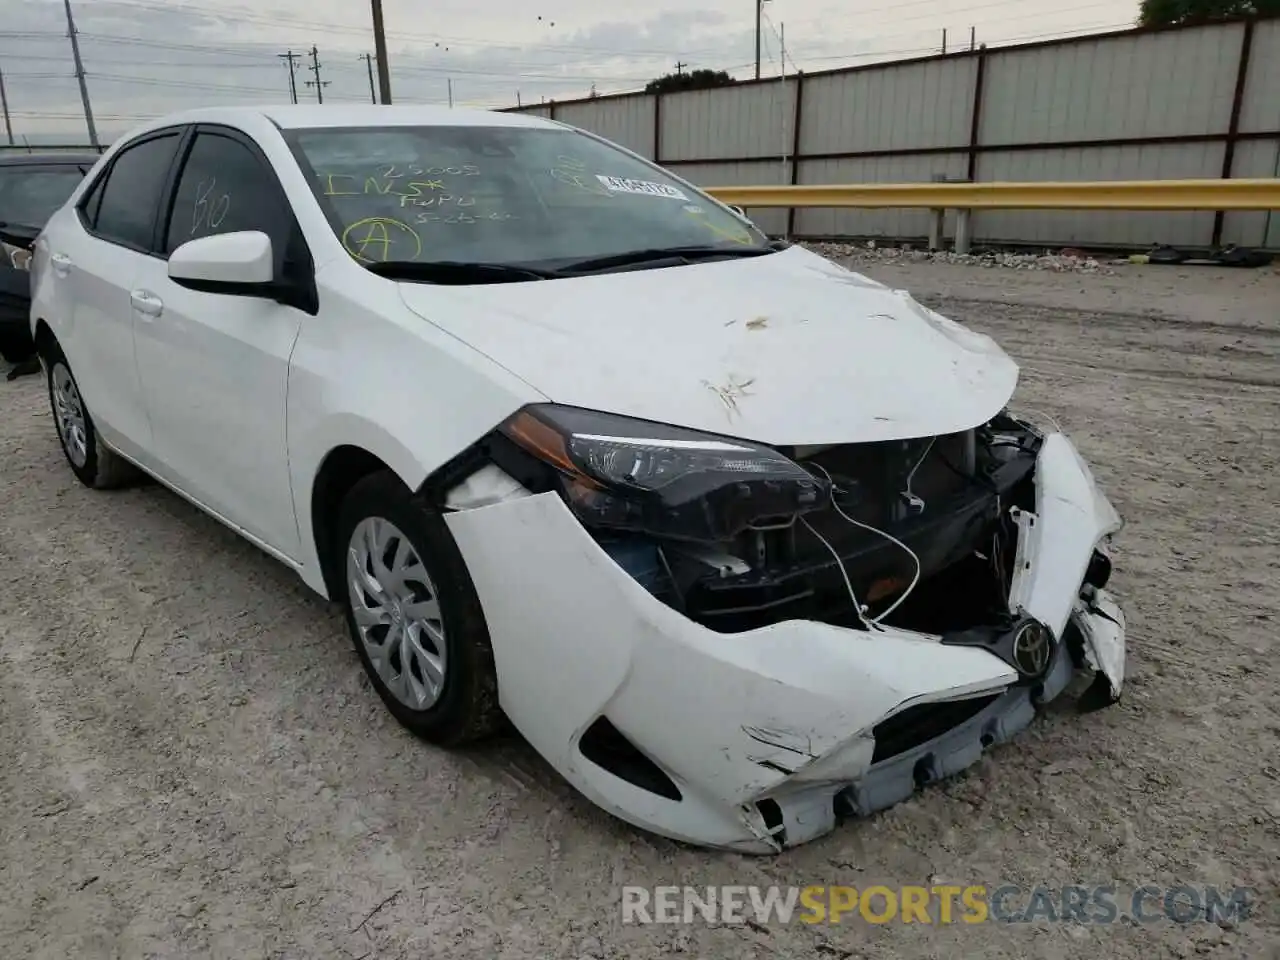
(624, 474)
(19, 257)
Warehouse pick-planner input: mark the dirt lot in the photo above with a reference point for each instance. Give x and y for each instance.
(191, 764)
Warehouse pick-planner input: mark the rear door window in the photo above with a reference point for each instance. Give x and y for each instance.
(130, 198)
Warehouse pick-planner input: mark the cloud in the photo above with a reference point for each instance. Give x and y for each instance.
(148, 57)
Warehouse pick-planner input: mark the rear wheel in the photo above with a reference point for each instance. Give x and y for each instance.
(413, 613)
(93, 463)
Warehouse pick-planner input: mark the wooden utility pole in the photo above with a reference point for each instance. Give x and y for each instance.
(315, 72)
(368, 59)
(291, 61)
(759, 15)
(4, 99)
(84, 86)
(380, 51)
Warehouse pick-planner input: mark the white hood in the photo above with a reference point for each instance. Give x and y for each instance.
(787, 348)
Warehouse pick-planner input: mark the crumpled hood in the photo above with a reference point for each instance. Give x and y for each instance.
(787, 348)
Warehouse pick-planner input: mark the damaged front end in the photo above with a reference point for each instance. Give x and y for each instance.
(861, 619)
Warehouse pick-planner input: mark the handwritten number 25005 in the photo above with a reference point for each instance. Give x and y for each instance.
(209, 210)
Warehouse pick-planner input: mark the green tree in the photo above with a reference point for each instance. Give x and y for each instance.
(694, 80)
(1159, 13)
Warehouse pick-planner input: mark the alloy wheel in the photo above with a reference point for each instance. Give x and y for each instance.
(396, 612)
(68, 409)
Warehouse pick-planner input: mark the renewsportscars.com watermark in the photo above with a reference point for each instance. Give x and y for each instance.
(938, 904)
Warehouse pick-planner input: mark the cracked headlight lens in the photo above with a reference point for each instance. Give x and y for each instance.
(625, 474)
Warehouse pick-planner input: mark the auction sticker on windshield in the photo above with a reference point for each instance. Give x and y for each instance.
(647, 187)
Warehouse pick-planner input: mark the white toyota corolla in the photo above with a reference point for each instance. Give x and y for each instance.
(742, 542)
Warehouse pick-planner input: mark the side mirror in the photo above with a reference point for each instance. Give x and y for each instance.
(232, 263)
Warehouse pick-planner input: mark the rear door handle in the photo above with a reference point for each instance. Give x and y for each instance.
(147, 304)
(61, 263)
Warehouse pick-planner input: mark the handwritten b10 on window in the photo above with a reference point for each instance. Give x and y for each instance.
(210, 208)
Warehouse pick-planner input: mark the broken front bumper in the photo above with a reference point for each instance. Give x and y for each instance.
(769, 735)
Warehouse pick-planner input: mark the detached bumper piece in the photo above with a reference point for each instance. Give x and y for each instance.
(930, 742)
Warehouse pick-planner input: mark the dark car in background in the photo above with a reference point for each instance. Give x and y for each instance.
(32, 187)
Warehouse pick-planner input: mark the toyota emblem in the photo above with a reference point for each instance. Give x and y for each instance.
(1032, 649)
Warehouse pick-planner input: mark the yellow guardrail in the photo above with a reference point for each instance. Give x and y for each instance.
(1251, 194)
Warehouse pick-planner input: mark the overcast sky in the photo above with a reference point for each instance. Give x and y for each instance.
(146, 57)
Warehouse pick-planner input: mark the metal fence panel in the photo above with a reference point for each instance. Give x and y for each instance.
(727, 123)
(899, 108)
(1249, 228)
(1261, 107)
(1057, 227)
(627, 120)
(817, 222)
(1149, 85)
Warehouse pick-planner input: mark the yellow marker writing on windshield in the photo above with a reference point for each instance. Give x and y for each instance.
(371, 240)
(331, 188)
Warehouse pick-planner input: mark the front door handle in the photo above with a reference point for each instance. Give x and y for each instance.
(146, 303)
(61, 263)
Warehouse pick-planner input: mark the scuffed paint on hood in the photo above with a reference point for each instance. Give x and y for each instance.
(787, 348)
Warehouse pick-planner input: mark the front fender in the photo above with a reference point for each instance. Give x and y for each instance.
(368, 373)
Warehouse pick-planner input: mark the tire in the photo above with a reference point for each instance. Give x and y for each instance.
(94, 464)
(418, 613)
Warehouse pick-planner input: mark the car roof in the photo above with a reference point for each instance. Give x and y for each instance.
(293, 117)
(44, 159)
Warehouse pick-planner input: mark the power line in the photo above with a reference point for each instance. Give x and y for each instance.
(133, 61)
(46, 115)
(351, 29)
(42, 76)
(315, 72)
(432, 71)
(181, 84)
(114, 39)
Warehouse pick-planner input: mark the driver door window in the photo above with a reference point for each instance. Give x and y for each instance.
(225, 188)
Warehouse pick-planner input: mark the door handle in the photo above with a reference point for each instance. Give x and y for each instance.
(61, 263)
(147, 304)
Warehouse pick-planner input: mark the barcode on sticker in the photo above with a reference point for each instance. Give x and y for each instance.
(646, 187)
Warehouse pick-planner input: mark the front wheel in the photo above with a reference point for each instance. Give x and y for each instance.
(92, 461)
(413, 613)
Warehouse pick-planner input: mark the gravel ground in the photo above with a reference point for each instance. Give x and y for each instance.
(191, 764)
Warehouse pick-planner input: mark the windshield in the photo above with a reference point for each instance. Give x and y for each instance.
(31, 195)
(503, 195)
